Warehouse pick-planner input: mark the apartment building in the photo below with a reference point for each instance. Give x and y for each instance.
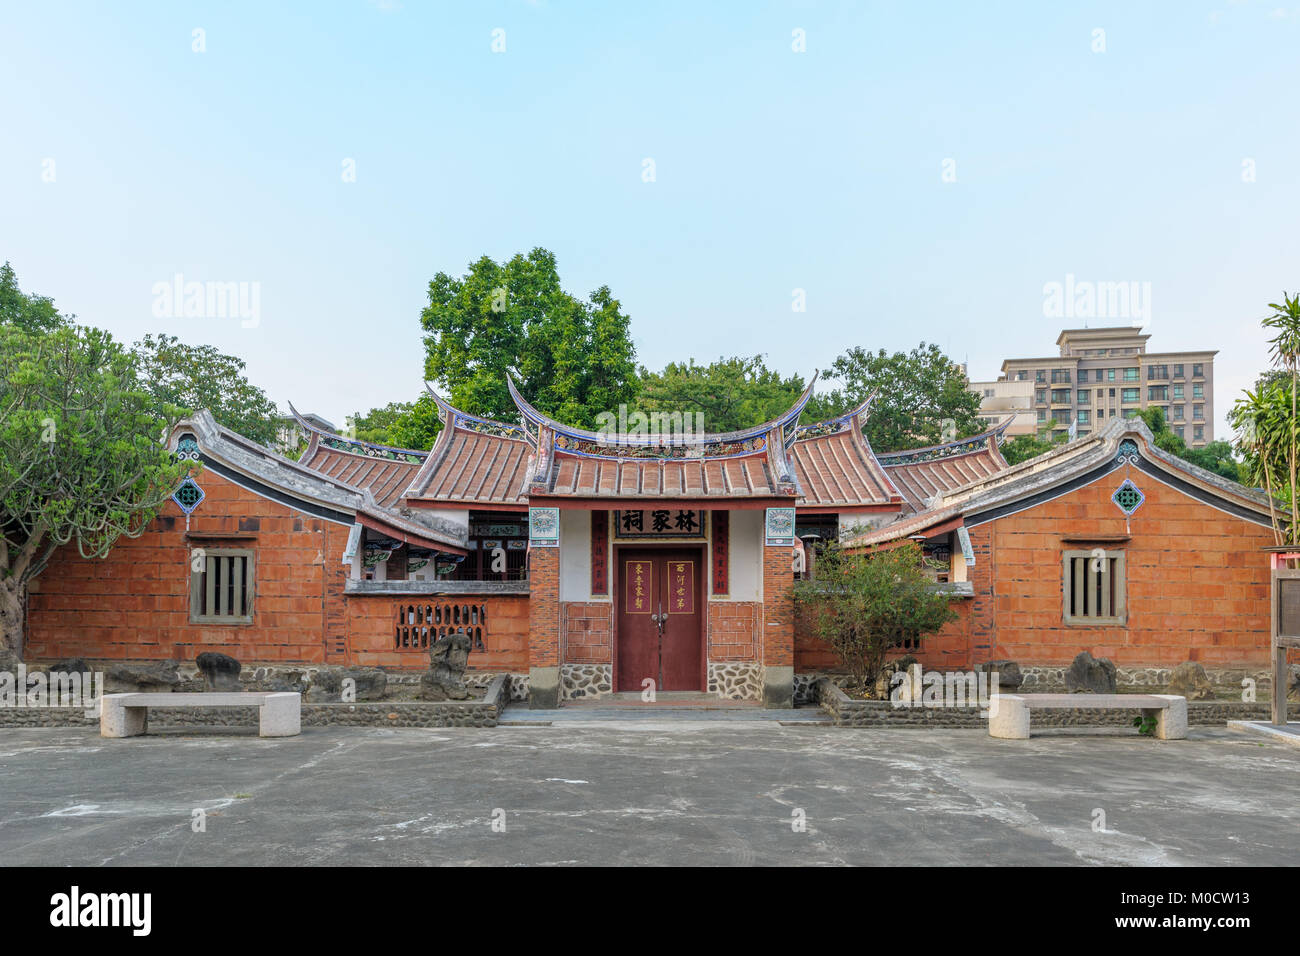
(1002, 398)
(1108, 373)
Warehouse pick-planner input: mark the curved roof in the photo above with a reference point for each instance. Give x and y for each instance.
(475, 461)
(922, 474)
(836, 467)
(300, 486)
(532, 416)
(386, 478)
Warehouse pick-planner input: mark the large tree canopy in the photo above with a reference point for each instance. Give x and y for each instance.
(32, 313)
(194, 377)
(400, 424)
(81, 456)
(731, 393)
(924, 397)
(574, 358)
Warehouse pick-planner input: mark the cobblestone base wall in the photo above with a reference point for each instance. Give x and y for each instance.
(846, 712)
(736, 680)
(586, 681)
(474, 713)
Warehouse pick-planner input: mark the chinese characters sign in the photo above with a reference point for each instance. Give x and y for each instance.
(681, 587)
(638, 582)
(721, 552)
(599, 552)
(659, 523)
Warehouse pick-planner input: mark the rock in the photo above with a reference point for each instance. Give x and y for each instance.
(1190, 680)
(1293, 684)
(326, 687)
(289, 682)
(445, 678)
(371, 683)
(884, 685)
(9, 661)
(142, 677)
(220, 671)
(73, 665)
(1090, 675)
(1009, 676)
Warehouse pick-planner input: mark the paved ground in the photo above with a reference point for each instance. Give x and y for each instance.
(647, 792)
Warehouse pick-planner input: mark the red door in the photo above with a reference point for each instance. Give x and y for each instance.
(660, 617)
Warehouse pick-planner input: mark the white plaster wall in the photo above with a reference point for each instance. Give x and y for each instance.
(458, 517)
(746, 572)
(575, 555)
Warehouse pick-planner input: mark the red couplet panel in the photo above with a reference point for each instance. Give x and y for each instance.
(660, 620)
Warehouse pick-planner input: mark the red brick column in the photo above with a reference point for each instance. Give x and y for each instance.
(778, 626)
(544, 628)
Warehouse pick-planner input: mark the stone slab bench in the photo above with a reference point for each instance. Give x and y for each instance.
(127, 715)
(1009, 713)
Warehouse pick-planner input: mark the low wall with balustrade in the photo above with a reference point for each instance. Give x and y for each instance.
(392, 624)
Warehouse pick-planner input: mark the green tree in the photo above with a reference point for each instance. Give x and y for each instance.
(1264, 428)
(400, 424)
(574, 359)
(81, 456)
(33, 313)
(1215, 456)
(730, 394)
(195, 377)
(1284, 348)
(865, 605)
(924, 397)
(1024, 447)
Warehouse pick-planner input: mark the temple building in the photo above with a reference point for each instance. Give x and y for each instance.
(584, 563)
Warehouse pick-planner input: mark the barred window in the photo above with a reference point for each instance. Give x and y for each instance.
(1093, 590)
(221, 586)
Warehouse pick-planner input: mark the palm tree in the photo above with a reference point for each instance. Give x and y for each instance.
(1285, 350)
(1260, 422)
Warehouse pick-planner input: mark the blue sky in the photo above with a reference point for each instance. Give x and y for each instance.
(774, 171)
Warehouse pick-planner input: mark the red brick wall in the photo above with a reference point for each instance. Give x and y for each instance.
(778, 607)
(372, 622)
(544, 607)
(588, 635)
(734, 630)
(1198, 581)
(1197, 585)
(135, 602)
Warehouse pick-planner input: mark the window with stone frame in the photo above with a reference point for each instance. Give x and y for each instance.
(1093, 589)
(222, 585)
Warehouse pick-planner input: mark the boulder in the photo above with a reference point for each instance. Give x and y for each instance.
(220, 671)
(1090, 675)
(142, 677)
(9, 661)
(371, 682)
(326, 687)
(1190, 680)
(287, 682)
(445, 678)
(1009, 676)
(1293, 684)
(72, 665)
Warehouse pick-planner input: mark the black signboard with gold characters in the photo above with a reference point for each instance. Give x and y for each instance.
(659, 523)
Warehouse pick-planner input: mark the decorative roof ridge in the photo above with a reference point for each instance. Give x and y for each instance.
(532, 416)
(839, 421)
(328, 436)
(949, 449)
(453, 417)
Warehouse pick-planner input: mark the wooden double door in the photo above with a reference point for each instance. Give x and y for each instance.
(661, 605)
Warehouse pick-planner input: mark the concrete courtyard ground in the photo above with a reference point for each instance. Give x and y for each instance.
(647, 792)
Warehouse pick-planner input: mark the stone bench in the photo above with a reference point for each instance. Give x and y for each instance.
(1009, 713)
(127, 715)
